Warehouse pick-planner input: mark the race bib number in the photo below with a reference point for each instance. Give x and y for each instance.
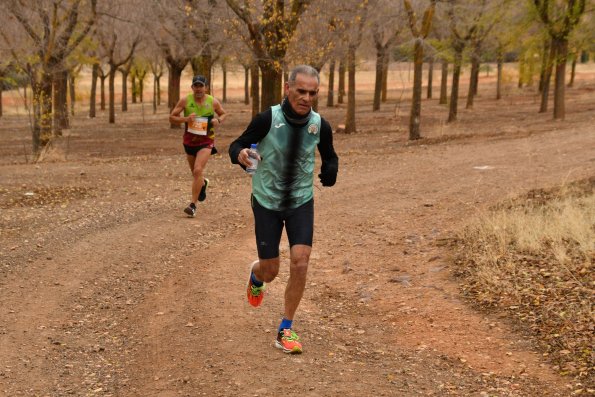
(199, 126)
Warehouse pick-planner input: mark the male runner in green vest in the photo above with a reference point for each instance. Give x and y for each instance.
(282, 189)
(202, 114)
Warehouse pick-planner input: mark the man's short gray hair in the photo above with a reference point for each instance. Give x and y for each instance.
(303, 69)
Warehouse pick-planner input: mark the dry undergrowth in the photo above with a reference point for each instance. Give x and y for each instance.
(533, 257)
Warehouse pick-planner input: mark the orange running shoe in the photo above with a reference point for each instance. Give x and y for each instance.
(288, 341)
(255, 294)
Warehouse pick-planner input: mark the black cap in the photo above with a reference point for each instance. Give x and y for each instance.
(199, 80)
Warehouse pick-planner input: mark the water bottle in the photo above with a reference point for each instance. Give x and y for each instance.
(253, 153)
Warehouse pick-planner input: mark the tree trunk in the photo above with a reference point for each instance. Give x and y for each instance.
(124, 91)
(158, 77)
(246, 85)
(544, 63)
(573, 70)
(112, 95)
(133, 87)
(472, 81)
(350, 120)
(561, 46)
(203, 64)
(60, 83)
(385, 78)
(93, 98)
(255, 88)
(224, 96)
(476, 78)
(547, 76)
(173, 89)
(102, 92)
(499, 78)
(42, 113)
(521, 71)
(380, 54)
(71, 87)
(155, 94)
(271, 85)
(59, 80)
(418, 63)
(141, 85)
(341, 81)
(444, 83)
(1, 90)
(330, 99)
(430, 77)
(454, 91)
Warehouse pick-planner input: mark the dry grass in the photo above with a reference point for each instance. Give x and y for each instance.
(534, 257)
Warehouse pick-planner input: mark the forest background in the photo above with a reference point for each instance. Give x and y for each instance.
(95, 79)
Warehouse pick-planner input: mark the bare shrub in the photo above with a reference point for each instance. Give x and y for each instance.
(534, 257)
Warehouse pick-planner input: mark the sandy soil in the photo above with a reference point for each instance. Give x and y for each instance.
(107, 289)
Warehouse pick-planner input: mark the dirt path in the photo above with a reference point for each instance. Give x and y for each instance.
(154, 305)
(123, 296)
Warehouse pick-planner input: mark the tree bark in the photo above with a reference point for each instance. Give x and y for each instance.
(561, 46)
(224, 70)
(380, 54)
(271, 85)
(544, 63)
(472, 81)
(246, 84)
(124, 90)
(350, 126)
(547, 76)
(418, 63)
(444, 83)
(341, 81)
(572, 70)
(255, 88)
(133, 87)
(499, 75)
(454, 91)
(112, 94)
(173, 90)
(330, 99)
(430, 77)
(60, 83)
(71, 88)
(93, 98)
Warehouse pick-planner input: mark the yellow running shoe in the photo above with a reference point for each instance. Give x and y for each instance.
(288, 341)
(255, 294)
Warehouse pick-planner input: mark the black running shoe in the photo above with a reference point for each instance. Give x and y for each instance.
(190, 210)
(203, 191)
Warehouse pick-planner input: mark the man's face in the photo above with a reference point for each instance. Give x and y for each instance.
(198, 90)
(302, 93)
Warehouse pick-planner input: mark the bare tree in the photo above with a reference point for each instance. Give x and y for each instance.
(354, 42)
(419, 35)
(560, 18)
(48, 32)
(270, 29)
(385, 28)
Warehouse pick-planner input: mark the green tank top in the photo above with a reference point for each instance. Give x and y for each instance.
(203, 110)
(269, 181)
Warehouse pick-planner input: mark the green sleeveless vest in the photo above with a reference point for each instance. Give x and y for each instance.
(269, 181)
(203, 110)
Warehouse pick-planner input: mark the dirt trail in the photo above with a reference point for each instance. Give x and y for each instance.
(127, 297)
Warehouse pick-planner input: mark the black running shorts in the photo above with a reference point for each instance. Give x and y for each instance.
(268, 225)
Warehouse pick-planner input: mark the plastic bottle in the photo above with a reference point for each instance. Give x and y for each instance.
(253, 153)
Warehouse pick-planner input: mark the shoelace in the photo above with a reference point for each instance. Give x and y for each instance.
(291, 337)
(255, 291)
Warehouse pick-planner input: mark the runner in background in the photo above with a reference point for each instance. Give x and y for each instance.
(202, 114)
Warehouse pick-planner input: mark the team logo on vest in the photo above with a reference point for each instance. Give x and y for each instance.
(313, 129)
